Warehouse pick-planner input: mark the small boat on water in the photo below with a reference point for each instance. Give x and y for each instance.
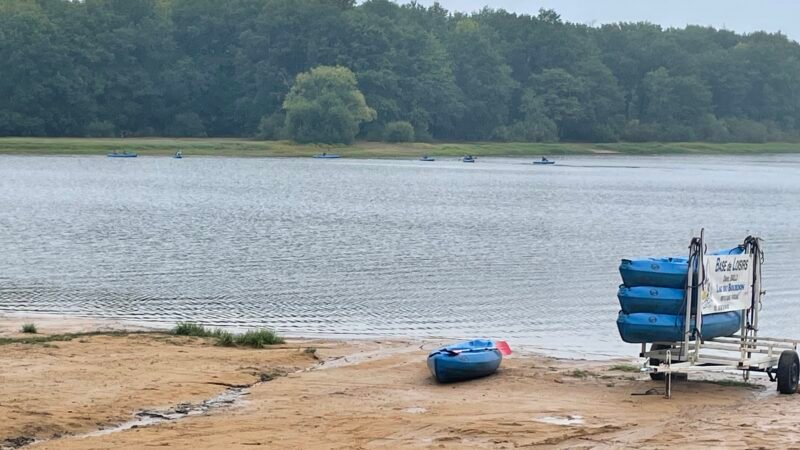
(464, 361)
(468, 159)
(324, 155)
(427, 158)
(124, 154)
(544, 162)
(178, 155)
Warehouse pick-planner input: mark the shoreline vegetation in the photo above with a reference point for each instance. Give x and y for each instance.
(234, 147)
(258, 338)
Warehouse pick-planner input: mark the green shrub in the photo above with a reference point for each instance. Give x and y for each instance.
(225, 339)
(398, 132)
(193, 329)
(258, 338)
(272, 127)
(29, 328)
(254, 338)
(625, 368)
(745, 130)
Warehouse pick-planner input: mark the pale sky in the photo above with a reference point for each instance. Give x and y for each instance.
(738, 15)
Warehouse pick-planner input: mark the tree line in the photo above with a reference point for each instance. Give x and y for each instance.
(382, 70)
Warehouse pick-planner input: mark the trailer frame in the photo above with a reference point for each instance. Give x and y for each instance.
(745, 351)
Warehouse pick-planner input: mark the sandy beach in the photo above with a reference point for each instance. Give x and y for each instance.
(147, 389)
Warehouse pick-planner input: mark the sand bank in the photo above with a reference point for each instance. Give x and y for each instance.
(358, 394)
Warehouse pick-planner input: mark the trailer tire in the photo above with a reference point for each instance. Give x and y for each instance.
(788, 372)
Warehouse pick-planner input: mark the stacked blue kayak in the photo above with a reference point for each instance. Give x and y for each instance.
(652, 298)
(464, 361)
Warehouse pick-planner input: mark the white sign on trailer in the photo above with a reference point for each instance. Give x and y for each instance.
(729, 283)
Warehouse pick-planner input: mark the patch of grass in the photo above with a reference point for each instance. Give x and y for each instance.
(625, 368)
(67, 337)
(258, 338)
(29, 328)
(193, 329)
(225, 339)
(254, 338)
(579, 373)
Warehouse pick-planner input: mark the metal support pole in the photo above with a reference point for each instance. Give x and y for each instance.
(700, 289)
(687, 323)
(756, 284)
(668, 378)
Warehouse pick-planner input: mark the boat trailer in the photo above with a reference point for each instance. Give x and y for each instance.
(745, 351)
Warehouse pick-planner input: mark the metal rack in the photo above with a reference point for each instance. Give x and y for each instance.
(745, 351)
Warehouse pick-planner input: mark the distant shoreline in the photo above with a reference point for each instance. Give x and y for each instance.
(235, 147)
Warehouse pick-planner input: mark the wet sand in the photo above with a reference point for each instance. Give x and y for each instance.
(358, 394)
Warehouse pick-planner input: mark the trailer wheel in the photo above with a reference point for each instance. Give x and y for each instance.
(788, 372)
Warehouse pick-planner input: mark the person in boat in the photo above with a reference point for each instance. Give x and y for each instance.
(324, 154)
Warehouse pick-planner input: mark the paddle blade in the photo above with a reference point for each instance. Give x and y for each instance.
(505, 350)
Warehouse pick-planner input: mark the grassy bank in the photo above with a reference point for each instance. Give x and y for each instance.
(244, 148)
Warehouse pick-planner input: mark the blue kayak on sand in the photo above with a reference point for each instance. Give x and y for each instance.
(464, 361)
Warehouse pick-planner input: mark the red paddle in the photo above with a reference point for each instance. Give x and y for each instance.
(505, 350)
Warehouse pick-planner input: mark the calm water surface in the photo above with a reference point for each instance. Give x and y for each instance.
(382, 248)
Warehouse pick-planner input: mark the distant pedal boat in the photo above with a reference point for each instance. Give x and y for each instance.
(468, 159)
(122, 155)
(427, 158)
(544, 162)
(326, 156)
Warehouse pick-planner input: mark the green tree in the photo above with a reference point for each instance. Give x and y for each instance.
(554, 94)
(484, 79)
(665, 99)
(398, 132)
(325, 105)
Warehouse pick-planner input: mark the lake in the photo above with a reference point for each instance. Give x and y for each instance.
(356, 248)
